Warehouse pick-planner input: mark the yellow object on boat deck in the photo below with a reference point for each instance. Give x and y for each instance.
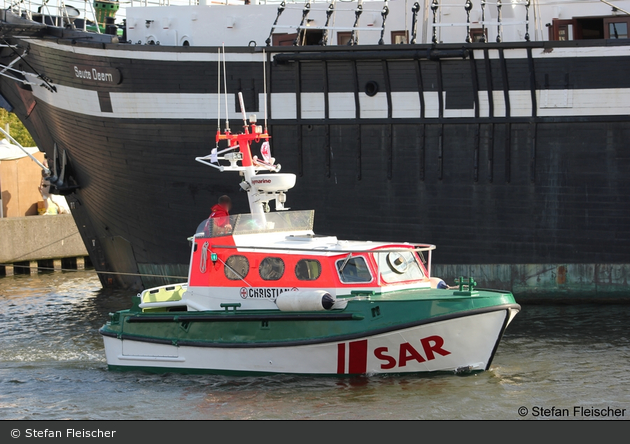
(167, 293)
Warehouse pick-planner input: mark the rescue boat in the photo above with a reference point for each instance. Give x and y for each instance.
(265, 295)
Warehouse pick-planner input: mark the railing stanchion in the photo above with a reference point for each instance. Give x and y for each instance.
(499, 5)
(468, 7)
(414, 22)
(434, 7)
(527, 3)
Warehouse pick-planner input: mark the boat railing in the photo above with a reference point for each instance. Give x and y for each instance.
(436, 15)
(60, 13)
(329, 12)
(428, 17)
(419, 249)
(146, 3)
(434, 21)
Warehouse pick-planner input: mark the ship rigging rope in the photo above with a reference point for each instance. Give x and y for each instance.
(24, 73)
(25, 82)
(43, 77)
(9, 67)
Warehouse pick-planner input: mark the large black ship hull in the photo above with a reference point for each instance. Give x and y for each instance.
(487, 151)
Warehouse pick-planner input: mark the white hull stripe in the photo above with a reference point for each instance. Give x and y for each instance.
(442, 346)
(164, 56)
(556, 53)
(550, 103)
(211, 56)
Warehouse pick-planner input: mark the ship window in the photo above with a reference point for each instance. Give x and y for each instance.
(308, 269)
(353, 270)
(271, 268)
(618, 30)
(236, 267)
(616, 27)
(371, 88)
(399, 266)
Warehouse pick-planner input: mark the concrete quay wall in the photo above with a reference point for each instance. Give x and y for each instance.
(38, 238)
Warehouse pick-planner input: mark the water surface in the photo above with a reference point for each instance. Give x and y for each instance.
(52, 366)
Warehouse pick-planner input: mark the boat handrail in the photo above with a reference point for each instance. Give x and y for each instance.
(56, 12)
(416, 247)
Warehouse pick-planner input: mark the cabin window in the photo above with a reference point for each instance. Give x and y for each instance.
(308, 269)
(353, 270)
(236, 267)
(616, 28)
(563, 30)
(588, 28)
(399, 266)
(271, 268)
(563, 33)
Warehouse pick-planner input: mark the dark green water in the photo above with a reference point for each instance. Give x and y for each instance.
(52, 366)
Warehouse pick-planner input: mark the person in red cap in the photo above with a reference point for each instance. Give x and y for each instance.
(220, 213)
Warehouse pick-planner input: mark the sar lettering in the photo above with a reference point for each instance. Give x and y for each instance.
(407, 353)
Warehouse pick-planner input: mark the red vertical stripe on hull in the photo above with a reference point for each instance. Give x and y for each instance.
(341, 358)
(358, 357)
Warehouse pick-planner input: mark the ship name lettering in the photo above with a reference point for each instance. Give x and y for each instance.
(82, 73)
(93, 74)
(102, 76)
(431, 346)
(271, 293)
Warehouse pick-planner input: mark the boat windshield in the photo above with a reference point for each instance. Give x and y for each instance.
(399, 266)
(281, 221)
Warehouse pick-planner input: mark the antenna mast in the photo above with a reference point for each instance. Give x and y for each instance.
(218, 91)
(263, 188)
(227, 118)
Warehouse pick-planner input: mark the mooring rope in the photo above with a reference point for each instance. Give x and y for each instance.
(94, 270)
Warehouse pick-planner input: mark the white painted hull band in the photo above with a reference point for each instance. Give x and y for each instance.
(449, 345)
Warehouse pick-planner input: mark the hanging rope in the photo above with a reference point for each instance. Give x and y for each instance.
(47, 82)
(204, 257)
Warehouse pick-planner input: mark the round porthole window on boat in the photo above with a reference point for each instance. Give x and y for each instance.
(236, 267)
(271, 268)
(308, 269)
(371, 88)
(397, 262)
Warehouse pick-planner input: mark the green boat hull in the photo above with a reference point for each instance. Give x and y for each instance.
(373, 334)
